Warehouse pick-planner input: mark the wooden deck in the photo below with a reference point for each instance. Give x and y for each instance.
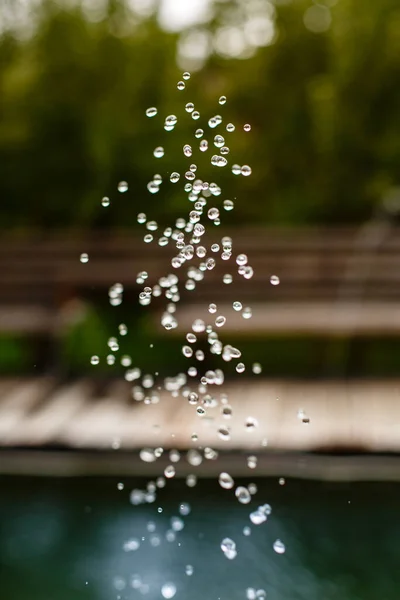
(343, 416)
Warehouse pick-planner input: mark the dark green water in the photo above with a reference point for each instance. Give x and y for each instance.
(62, 539)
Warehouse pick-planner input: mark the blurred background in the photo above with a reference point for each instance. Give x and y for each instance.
(319, 82)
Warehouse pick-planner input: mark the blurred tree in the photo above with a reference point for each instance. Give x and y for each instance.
(319, 83)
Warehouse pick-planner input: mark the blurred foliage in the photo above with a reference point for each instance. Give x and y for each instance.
(323, 99)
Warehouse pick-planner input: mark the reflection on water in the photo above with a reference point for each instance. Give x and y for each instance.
(81, 538)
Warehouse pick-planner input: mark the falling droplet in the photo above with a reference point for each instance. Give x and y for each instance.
(151, 112)
(274, 280)
(123, 187)
(246, 170)
(174, 177)
(279, 547)
(228, 205)
(226, 481)
(230, 127)
(236, 169)
(158, 152)
(105, 201)
(220, 321)
(257, 368)
(222, 100)
(243, 495)
(187, 150)
(228, 547)
(168, 590)
(189, 107)
(251, 423)
(199, 133)
(95, 360)
(84, 257)
(186, 75)
(169, 471)
(181, 85)
(247, 127)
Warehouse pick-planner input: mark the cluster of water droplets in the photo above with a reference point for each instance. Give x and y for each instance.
(193, 257)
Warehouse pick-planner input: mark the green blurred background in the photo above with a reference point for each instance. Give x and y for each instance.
(319, 83)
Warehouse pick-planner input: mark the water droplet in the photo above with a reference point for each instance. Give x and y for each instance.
(170, 122)
(257, 368)
(147, 239)
(189, 570)
(203, 145)
(252, 462)
(230, 127)
(187, 351)
(243, 494)
(95, 360)
(218, 161)
(174, 177)
(247, 127)
(222, 100)
(274, 280)
(236, 169)
(122, 187)
(220, 321)
(189, 107)
(247, 313)
(151, 112)
(227, 278)
(153, 187)
(198, 326)
(279, 547)
(251, 423)
(105, 201)
(228, 205)
(282, 481)
(186, 75)
(168, 590)
(226, 481)
(84, 258)
(227, 411)
(224, 433)
(237, 306)
(180, 85)
(210, 264)
(228, 547)
(158, 152)
(257, 517)
(191, 480)
(241, 259)
(199, 133)
(169, 471)
(219, 141)
(215, 121)
(195, 115)
(147, 455)
(213, 213)
(212, 308)
(246, 170)
(246, 531)
(141, 218)
(131, 545)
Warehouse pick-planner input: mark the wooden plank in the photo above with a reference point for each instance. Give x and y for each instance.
(323, 318)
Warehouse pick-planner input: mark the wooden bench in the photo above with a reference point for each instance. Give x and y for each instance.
(342, 280)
